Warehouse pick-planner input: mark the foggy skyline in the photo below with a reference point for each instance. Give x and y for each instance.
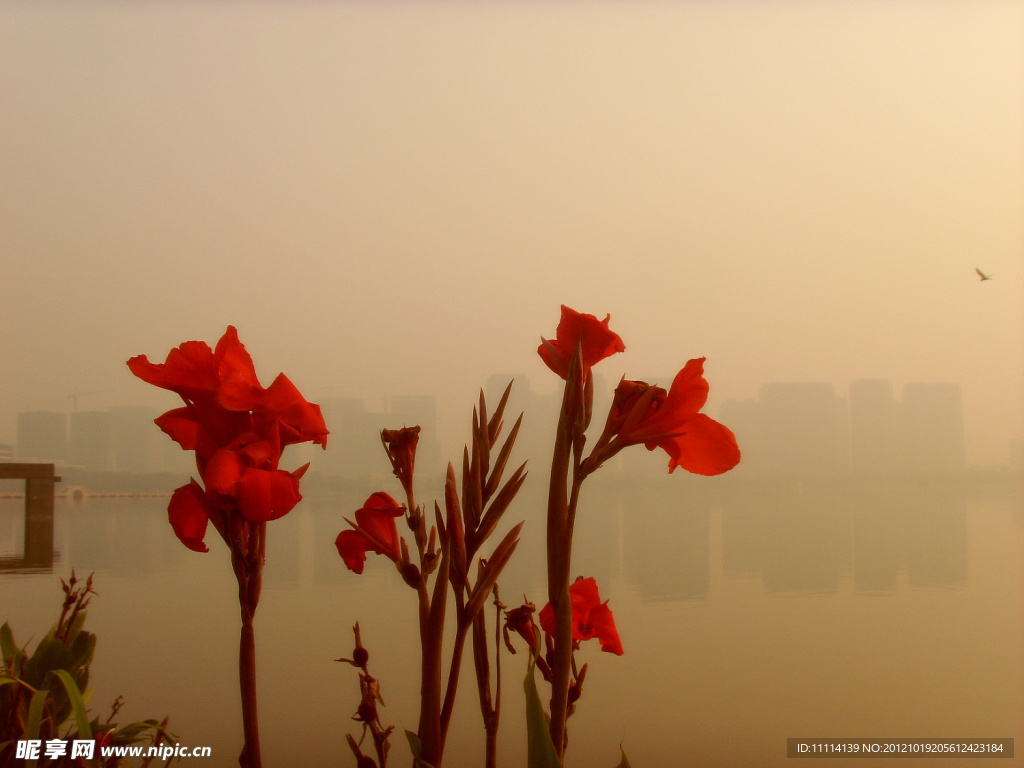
(395, 199)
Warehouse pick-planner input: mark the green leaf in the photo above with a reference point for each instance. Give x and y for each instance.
(35, 717)
(540, 749)
(417, 750)
(77, 705)
(7, 646)
(48, 656)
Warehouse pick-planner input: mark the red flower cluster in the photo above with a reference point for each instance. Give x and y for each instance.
(238, 430)
(594, 337)
(590, 617)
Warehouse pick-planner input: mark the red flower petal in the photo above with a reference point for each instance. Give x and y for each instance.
(352, 547)
(597, 341)
(239, 389)
(590, 617)
(376, 519)
(188, 368)
(602, 626)
(267, 494)
(705, 448)
(223, 471)
(188, 518)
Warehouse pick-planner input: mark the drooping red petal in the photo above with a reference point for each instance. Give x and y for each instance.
(188, 518)
(705, 448)
(282, 401)
(602, 626)
(352, 547)
(180, 425)
(188, 367)
(376, 518)
(265, 495)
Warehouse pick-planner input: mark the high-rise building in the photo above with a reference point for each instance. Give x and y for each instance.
(133, 439)
(933, 427)
(90, 444)
(874, 428)
(743, 417)
(805, 428)
(42, 436)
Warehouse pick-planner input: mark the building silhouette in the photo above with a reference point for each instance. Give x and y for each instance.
(90, 442)
(806, 429)
(874, 428)
(933, 428)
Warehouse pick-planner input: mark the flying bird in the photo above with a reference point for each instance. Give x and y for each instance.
(982, 275)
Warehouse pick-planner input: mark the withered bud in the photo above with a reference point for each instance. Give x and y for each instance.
(401, 447)
(576, 689)
(410, 574)
(430, 561)
(360, 656)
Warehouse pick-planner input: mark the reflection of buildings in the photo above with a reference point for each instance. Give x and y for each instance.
(666, 539)
(805, 429)
(793, 540)
(804, 538)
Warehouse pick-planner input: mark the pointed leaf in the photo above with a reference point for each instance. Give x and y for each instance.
(35, 718)
(541, 751)
(499, 464)
(495, 563)
(481, 437)
(455, 529)
(77, 705)
(623, 763)
(499, 505)
(494, 427)
(417, 749)
(7, 646)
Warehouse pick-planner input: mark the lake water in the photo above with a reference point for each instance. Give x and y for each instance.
(749, 613)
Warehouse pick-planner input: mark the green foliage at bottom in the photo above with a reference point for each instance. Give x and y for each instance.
(540, 749)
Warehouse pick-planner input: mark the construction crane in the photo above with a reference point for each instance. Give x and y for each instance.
(73, 397)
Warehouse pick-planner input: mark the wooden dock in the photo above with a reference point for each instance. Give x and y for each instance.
(40, 480)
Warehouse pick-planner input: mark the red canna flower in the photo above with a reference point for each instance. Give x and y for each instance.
(237, 430)
(593, 335)
(672, 421)
(590, 617)
(375, 530)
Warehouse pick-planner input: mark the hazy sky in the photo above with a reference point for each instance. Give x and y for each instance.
(394, 198)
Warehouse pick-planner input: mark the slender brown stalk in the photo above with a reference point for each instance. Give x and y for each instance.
(247, 554)
(559, 555)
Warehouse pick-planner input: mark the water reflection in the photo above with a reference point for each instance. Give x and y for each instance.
(900, 593)
(795, 537)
